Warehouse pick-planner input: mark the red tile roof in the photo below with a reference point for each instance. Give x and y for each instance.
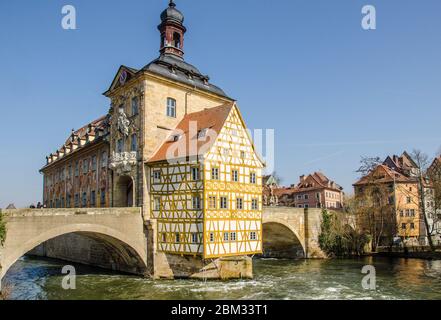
(383, 174)
(188, 144)
(98, 124)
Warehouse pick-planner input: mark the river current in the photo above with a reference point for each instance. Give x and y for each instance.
(37, 278)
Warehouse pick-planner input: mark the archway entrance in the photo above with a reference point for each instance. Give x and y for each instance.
(124, 192)
(281, 242)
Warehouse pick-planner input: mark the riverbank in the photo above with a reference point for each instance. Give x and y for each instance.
(409, 255)
(412, 252)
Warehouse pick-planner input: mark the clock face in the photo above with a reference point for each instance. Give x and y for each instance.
(123, 77)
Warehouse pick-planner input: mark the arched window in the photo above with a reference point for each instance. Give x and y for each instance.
(177, 40)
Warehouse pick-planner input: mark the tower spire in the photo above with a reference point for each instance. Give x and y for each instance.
(172, 31)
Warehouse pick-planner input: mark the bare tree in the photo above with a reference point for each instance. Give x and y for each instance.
(372, 205)
(368, 164)
(422, 161)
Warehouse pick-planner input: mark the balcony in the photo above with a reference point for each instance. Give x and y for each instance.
(123, 162)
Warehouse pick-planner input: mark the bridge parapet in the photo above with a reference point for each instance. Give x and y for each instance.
(14, 213)
(121, 229)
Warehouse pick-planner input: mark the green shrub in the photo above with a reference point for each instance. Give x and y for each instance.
(337, 238)
(2, 229)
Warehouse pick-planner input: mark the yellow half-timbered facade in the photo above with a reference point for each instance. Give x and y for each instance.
(206, 187)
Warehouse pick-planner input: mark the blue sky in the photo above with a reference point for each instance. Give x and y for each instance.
(331, 90)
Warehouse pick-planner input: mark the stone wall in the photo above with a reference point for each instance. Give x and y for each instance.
(304, 224)
(114, 238)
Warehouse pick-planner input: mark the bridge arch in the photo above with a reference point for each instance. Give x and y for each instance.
(125, 254)
(281, 240)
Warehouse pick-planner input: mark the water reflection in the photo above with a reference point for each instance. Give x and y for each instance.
(32, 278)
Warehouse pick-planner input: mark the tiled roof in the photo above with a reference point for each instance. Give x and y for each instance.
(177, 69)
(98, 123)
(383, 174)
(285, 191)
(322, 182)
(187, 132)
(91, 130)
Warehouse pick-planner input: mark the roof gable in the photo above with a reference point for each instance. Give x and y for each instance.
(382, 174)
(187, 139)
(123, 75)
(235, 122)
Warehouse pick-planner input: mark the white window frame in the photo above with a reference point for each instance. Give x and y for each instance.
(239, 203)
(157, 175)
(210, 202)
(254, 204)
(195, 174)
(215, 173)
(253, 178)
(157, 203)
(235, 175)
(196, 202)
(171, 108)
(223, 203)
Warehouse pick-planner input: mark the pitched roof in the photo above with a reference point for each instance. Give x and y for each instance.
(91, 129)
(97, 124)
(321, 180)
(383, 174)
(177, 69)
(403, 163)
(188, 144)
(285, 191)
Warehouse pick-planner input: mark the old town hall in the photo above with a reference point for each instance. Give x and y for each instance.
(173, 144)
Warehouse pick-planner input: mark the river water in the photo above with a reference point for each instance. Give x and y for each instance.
(36, 278)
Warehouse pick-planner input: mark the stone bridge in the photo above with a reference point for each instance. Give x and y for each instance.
(120, 239)
(110, 238)
(291, 232)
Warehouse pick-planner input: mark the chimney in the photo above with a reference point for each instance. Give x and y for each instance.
(302, 178)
